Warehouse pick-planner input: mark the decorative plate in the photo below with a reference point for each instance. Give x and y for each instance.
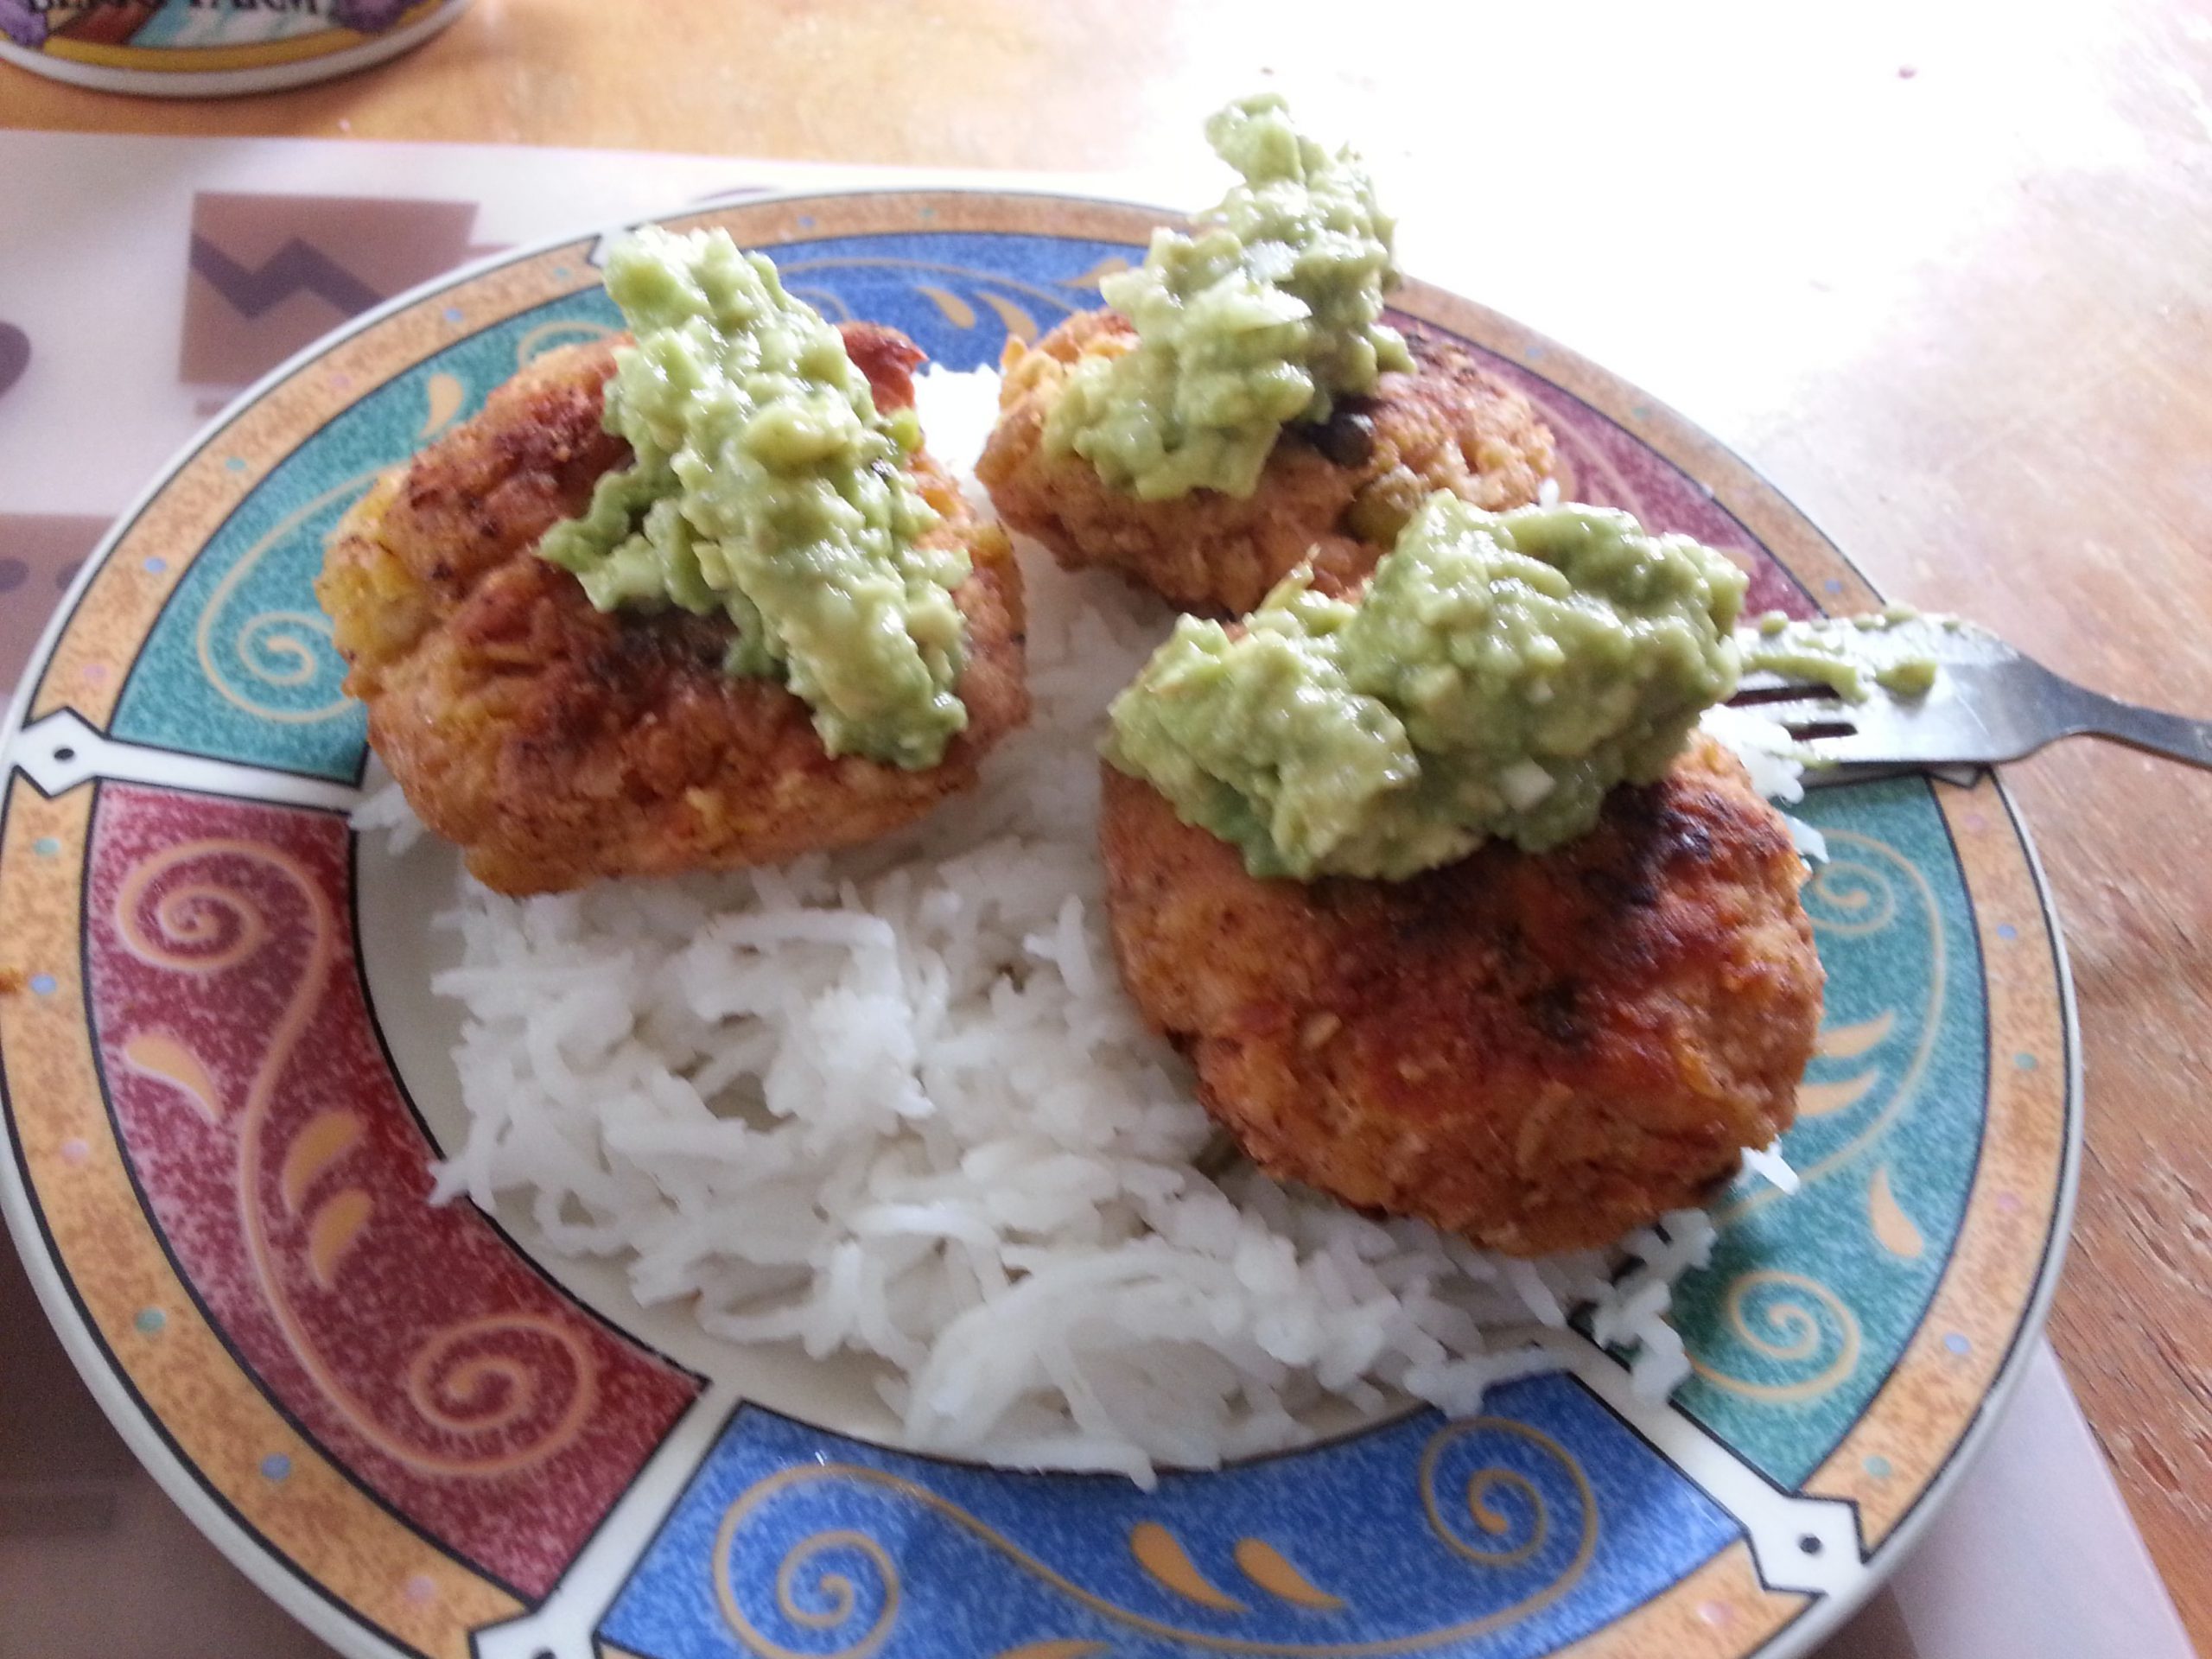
(224, 1077)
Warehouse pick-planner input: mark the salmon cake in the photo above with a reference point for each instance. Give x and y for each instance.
(1339, 489)
(1536, 1050)
(557, 744)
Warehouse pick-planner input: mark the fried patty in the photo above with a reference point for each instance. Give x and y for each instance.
(1537, 1052)
(1342, 489)
(558, 745)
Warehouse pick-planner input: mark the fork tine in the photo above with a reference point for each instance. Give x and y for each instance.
(1764, 682)
(1890, 748)
(1809, 711)
(1961, 772)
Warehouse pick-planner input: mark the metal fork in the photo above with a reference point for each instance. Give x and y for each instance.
(1988, 704)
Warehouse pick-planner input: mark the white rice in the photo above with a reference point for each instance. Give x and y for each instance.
(1775, 763)
(895, 1102)
(385, 810)
(1768, 1163)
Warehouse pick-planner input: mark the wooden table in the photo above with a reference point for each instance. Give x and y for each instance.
(1946, 282)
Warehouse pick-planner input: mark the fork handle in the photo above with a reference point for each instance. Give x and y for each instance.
(2173, 735)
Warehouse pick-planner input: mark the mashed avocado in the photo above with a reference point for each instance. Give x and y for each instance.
(766, 486)
(1502, 673)
(1851, 654)
(1270, 309)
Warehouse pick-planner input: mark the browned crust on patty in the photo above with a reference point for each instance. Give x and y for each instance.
(1341, 488)
(1538, 1053)
(557, 745)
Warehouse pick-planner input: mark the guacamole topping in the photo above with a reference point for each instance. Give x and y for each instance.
(1851, 654)
(1268, 310)
(766, 486)
(1500, 674)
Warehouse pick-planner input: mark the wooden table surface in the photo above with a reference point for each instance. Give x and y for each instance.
(1946, 281)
